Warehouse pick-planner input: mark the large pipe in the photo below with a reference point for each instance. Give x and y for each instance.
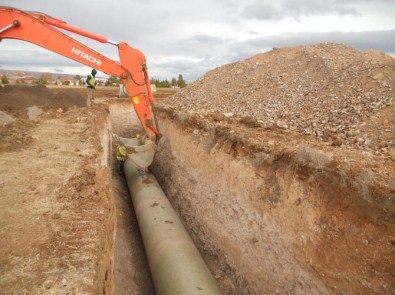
(175, 263)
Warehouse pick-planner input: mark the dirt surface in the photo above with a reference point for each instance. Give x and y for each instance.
(131, 271)
(56, 154)
(283, 168)
(57, 213)
(67, 223)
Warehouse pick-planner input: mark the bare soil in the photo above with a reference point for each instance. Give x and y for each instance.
(57, 213)
(61, 201)
(282, 168)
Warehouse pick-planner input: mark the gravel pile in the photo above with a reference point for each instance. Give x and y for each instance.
(326, 90)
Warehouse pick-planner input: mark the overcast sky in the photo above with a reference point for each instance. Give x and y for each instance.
(192, 37)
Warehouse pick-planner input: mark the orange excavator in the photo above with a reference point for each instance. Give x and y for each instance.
(175, 263)
(41, 29)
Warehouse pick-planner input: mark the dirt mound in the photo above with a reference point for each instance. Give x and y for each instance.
(326, 90)
(293, 155)
(39, 95)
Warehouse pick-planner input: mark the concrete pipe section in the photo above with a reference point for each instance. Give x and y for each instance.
(175, 263)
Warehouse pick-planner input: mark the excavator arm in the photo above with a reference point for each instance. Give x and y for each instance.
(41, 30)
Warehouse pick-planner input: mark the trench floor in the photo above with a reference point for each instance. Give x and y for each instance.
(131, 271)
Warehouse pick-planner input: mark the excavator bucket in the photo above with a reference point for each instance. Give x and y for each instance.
(141, 154)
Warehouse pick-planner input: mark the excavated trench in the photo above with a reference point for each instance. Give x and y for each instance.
(296, 219)
(271, 219)
(298, 222)
(131, 272)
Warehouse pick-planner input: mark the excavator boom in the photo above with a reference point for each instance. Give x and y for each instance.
(131, 68)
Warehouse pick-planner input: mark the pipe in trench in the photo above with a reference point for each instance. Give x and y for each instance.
(175, 263)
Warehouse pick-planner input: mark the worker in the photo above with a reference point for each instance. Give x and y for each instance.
(140, 139)
(121, 158)
(91, 85)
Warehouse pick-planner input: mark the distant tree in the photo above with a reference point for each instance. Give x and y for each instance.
(79, 79)
(17, 81)
(173, 82)
(4, 80)
(66, 82)
(43, 80)
(155, 82)
(165, 84)
(112, 81)
(181, 82)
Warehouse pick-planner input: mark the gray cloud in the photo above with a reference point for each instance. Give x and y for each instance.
(58, 70)
(217, 51)
(376, 40)
(194, 56)
(34, 58)
(275, 10)
(169, 33)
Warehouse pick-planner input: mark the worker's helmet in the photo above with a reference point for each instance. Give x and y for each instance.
(94, 72)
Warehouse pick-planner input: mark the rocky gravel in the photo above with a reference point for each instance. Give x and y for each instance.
(330, 91)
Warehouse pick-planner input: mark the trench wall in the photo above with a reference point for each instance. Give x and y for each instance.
(294, 224)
